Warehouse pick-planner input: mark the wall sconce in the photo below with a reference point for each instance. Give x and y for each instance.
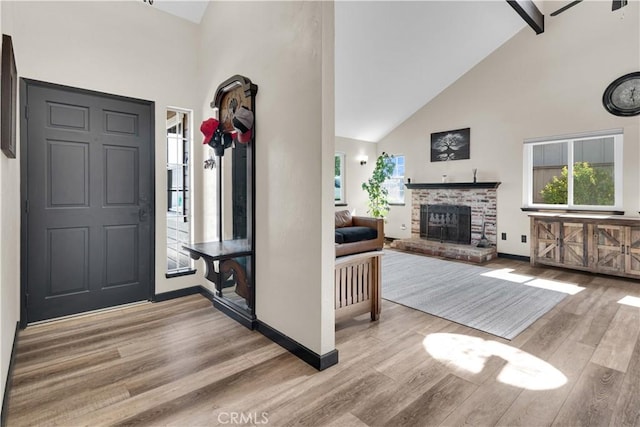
(364, 160)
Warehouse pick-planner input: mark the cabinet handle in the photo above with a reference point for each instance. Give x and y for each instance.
(627, 249)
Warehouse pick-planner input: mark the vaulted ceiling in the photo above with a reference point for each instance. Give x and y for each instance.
(186, 9)
(393, 57)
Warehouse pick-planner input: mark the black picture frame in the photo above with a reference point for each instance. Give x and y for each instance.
(8, 98)
(451, 145)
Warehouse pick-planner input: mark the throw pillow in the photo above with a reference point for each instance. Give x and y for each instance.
(343, 219)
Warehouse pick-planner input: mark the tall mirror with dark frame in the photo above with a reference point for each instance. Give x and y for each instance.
(234, 101)
(230, 261)
(236, 286)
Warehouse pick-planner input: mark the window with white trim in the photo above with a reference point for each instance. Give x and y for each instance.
(581, 172)
(395, 183)
(178, 195)
(338, 180)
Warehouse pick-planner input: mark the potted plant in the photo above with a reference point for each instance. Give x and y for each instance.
(378, 202)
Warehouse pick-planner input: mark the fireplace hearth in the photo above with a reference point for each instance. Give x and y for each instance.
(446, 223)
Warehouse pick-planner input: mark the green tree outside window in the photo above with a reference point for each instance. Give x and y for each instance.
(591, 186)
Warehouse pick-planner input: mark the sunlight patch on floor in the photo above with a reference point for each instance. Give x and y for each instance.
(552, 285)
(506, 274)
(629, 300)
(522, 369)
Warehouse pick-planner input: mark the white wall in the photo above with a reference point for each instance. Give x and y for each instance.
(532, 86)
(328, 254)
(9, 268)
(286, 48)
(9, 258)
(123, 48)
(355, 173)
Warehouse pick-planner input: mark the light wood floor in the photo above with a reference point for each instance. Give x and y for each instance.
(183, 363)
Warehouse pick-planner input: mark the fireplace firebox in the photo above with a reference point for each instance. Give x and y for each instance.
(446, 223)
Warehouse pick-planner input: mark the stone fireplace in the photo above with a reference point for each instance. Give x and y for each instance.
(451, 202)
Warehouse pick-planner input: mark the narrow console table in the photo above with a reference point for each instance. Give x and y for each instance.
(358, 280)
(229, 268)
(597, 243)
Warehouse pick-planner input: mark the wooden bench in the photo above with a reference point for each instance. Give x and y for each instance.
(358, 280)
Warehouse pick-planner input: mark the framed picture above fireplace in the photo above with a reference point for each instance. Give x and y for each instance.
(450, 145)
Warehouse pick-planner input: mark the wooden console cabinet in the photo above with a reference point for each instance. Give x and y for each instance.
(596, 243)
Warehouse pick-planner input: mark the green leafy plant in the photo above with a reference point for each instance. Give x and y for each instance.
(591, 186)
(378, 194)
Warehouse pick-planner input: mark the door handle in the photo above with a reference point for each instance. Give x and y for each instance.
(143, 209)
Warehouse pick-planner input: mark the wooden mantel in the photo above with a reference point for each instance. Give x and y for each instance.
(452, 185)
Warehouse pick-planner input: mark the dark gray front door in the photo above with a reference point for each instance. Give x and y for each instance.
(88, 200)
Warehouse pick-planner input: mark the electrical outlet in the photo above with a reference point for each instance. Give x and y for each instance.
(523, 238)
(504, 236)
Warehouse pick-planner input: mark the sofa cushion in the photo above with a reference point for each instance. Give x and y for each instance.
(339, 237)
(357, 234)
(343, 219)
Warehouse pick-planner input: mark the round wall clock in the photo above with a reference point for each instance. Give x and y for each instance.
(622, 96)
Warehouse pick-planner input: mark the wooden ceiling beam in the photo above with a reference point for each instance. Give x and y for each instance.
(530, 13)
(617, 4)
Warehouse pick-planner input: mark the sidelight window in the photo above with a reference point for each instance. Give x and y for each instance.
(178, 191)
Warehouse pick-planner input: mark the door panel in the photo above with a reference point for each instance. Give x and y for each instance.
(609, 244)
(89, 189)
(67, 173)
(67, 116)
(68, 267)
(633, 250)
(574, 244)
(120, 123)
(121, 175)
(548, 241)
(121, 250)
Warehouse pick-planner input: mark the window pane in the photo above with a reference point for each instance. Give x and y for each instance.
(395, 184)
(173, 151)
(550, 168)
(395, 187)
(593, 172)
(177, 236)
(338, 181)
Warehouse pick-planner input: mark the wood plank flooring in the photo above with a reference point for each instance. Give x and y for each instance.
(183, 363)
